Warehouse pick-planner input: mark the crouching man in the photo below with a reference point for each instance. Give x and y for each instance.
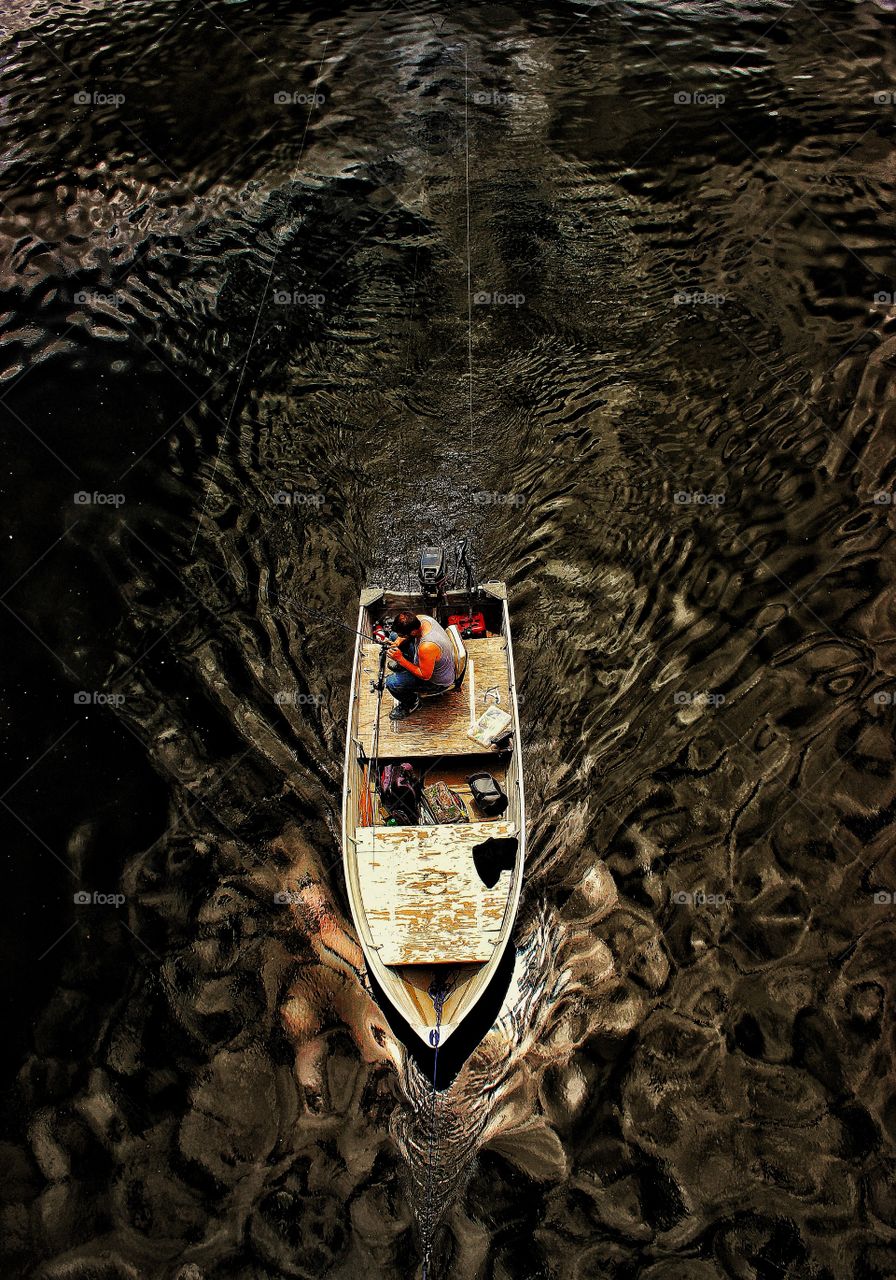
(422, 662)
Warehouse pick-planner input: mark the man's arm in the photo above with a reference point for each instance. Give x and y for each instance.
(427, 653)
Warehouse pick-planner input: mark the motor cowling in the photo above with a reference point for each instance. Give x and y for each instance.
(433, 572)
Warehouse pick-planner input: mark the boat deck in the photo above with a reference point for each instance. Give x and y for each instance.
(424, 900)
(440, 726)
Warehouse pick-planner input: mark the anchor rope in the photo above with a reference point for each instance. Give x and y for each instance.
(469, 258)
(441, 988)
(439, 991)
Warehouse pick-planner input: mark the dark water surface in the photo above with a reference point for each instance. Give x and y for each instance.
(680, 457)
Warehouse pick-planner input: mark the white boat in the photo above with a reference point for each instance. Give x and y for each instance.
(434, 904)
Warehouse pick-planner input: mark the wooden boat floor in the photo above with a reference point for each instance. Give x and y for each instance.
(422, 895)
(440, 725)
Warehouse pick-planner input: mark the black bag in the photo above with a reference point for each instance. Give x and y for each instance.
(400, 793)
(488, 796)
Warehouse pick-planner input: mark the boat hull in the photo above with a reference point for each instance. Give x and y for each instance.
(434, 904)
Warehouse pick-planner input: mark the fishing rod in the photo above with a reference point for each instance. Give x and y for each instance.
(462, 561)
(379, 684)
(337, 622)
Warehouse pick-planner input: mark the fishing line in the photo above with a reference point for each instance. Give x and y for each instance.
(469, 259)
(264, 295)
(337, 622)
(439, 991)
(406, 506)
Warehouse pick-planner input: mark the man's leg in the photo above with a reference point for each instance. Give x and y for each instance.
(404, 686)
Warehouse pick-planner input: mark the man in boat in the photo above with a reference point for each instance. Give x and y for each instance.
(422, 662)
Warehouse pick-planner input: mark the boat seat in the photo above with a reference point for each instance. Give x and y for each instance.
(460, 664)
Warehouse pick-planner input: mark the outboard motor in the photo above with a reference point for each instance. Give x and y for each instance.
(433, 574)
